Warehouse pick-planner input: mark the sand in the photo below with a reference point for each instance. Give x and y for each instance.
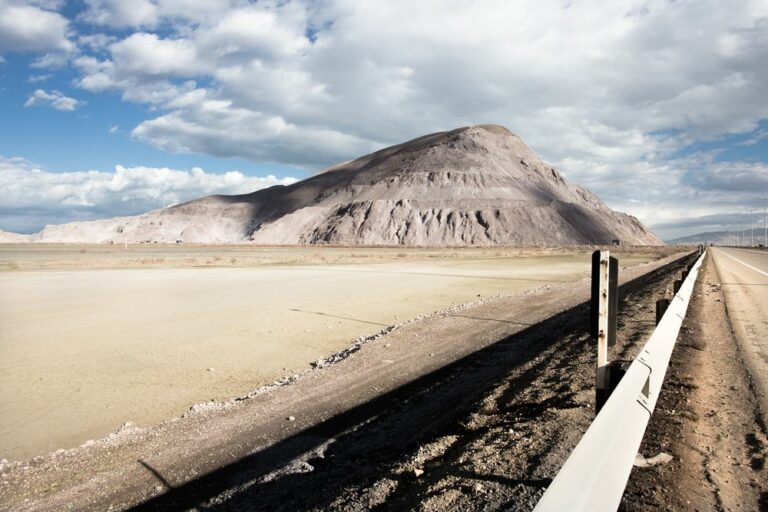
(95, 336)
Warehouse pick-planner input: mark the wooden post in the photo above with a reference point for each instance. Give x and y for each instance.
(661, 308)
(676, 285)
(603, 313)
(613, 299)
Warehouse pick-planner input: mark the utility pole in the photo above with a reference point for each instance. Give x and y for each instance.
(751, 228)
(765, 223)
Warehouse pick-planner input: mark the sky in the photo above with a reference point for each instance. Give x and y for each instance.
(115, 107)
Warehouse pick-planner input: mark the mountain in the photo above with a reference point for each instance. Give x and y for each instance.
(744, 237)
(478, 185)
(699, 238)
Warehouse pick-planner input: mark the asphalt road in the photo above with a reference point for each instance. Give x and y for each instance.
(744, 278)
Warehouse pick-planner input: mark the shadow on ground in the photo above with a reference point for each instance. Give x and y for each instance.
(357, 448)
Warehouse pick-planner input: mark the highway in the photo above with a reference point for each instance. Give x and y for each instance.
(744, 278)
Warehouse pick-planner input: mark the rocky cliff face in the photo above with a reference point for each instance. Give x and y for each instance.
(479, 185)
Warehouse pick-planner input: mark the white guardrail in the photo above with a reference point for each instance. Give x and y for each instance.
(596, 473)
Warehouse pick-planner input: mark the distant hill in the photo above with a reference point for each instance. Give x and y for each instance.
(478, 185)
(717, 237)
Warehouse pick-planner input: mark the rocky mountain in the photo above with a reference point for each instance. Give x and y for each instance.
(478, 185)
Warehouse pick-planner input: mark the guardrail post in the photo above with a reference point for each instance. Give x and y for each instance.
(594, 476)
(676, 285)
(661, 308)
(603, 315)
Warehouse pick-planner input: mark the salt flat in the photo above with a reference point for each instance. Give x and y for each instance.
(94, 336)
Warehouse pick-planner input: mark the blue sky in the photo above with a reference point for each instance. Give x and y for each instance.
(81, 139)
(114, 107)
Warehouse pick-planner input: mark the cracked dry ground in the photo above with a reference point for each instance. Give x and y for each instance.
(487, 432)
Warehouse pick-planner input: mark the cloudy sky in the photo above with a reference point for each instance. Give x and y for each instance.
(112, 107)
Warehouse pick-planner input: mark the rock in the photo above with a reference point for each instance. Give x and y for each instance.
(418, 472)
(291, 418)
(659, 458)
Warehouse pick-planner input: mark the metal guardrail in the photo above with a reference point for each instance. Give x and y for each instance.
(594, 476)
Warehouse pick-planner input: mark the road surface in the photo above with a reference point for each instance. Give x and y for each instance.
(744, 279)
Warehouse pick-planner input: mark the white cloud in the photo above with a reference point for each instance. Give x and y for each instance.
(43, 197)
(96, 42)
(217, 127)
(150, 13)
(30, 26)
(147, 54)
(255, 33)
(53, 99)
(608, 92)
(52, 60)
(376, 73)
(33, 79)
(743, 177)
(120, 13)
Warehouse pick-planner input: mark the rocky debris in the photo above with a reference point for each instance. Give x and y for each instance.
(659, 458)
(478, 185)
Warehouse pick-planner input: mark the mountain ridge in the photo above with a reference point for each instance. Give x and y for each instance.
(476, 185)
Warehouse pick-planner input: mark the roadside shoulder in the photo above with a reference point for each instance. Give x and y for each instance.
(708, 418)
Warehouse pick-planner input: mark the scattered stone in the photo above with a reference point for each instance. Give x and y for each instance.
(418, 472)
(659, 458)
(291, 418)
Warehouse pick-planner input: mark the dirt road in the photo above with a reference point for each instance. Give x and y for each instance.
(356, 434)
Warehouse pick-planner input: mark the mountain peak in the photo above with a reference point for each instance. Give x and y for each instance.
(475, 185)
